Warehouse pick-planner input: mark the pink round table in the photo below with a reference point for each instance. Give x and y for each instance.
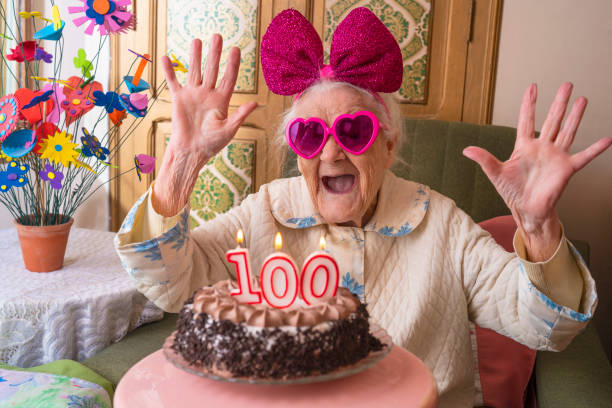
(399, 380)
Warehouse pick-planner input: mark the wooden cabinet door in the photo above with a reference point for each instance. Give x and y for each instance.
(449, 49)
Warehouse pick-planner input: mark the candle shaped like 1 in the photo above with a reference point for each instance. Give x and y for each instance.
(240, 258)
(279, 277)
(320, 276)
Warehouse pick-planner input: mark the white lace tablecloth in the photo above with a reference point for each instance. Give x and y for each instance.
(72, 313)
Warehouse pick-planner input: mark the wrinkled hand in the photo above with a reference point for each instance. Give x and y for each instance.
(200, 122)
(532, 180)
(201, 126)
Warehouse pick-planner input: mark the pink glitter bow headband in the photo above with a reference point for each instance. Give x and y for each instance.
(363, 53)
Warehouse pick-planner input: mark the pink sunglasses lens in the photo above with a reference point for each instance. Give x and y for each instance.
(355, 133)
(307, 137)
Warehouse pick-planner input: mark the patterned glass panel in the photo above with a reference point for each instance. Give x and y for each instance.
(224, 182)
(236, 20)
(408, 20)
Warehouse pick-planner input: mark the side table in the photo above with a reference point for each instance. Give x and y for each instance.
(71, 313)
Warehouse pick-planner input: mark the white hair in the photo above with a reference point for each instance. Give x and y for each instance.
(391, 119)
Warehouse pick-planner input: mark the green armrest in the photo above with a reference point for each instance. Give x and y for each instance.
(114, 361)
(579, 376)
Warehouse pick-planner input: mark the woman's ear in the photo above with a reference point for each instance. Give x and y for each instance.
(390, 145)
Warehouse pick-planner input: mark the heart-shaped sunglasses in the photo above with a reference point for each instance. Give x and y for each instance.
(355, 133)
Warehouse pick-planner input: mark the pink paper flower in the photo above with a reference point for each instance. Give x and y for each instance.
(111, 16)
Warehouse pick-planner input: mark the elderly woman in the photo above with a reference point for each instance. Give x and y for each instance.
(422, 265)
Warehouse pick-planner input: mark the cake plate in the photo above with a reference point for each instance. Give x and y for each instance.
(363, 364)
(398, 379)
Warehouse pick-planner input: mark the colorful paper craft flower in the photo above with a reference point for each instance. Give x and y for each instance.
(117, 116)
(177, 65)
(43, 97)
(52, 32)
(9, 113)
(42, 134)
(54, 177)
(57, 98)
(92, 146)
(34, 112)
(135, 103)
(109, 100)
(13, 176)
(59, 149)
(25, 51)
(19, 143)
(42, 55)
(111, 16)
(81, 62)
(144, 164)
(79, 100)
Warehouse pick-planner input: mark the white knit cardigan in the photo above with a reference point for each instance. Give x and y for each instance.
(423, 267)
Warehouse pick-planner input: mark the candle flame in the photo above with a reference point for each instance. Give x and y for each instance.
(278, 241)
(322, 243)
(240, 237)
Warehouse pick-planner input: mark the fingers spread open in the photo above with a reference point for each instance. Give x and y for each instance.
(211, 71)
(526, 120)
(170, 75)
(567, 134)
(194, 77)
(581, 159)
(228, 82)
(551, 125)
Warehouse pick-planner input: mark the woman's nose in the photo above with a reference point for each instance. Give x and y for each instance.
(331, 151)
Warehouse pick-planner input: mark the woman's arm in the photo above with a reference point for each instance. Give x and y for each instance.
(201, 126)
(154, 243)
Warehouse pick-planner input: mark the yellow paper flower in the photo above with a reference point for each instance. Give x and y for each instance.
(5, 157)
(59, 149)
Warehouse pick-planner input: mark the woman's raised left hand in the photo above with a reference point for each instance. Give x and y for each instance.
(532, 180)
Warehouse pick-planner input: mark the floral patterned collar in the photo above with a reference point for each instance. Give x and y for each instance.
(401, 206)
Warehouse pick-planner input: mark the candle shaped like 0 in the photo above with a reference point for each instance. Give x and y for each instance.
(279, 277)
(240, 258)
(320, 276)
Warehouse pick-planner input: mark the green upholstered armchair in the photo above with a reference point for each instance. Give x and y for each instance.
(580, 376)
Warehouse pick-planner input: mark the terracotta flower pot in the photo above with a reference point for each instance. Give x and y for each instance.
(43, 248)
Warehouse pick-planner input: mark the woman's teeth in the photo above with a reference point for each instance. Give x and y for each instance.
(339, 184)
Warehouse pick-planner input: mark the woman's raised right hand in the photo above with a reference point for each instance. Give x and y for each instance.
(201, 126)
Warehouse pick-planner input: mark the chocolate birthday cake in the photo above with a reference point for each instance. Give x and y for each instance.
(217, 333)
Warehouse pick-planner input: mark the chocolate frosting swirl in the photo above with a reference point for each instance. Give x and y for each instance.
(217, 301)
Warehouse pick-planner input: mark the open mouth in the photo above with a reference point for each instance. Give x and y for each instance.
(339, 184)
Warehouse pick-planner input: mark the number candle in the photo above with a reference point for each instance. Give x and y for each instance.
(319, 276)
(240, 258)
(279, 277)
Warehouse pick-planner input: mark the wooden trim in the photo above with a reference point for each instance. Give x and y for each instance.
(482, 62)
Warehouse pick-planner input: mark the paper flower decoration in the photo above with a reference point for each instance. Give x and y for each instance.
(117, 116)
(43, 97)
(135, 103)
(81, 62)
(32, 113)
(109, 100)
(111, 16)
(24, 51)
(9, 111)
(42, 55)
(92, 146)
(57, 98)
(59, 149)
(177, 65)
(77, 102)
(19, 143)
(13, 176)
(42, 134)
(52, 32)
(34, 14)
(54, 177)
(144, 164)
